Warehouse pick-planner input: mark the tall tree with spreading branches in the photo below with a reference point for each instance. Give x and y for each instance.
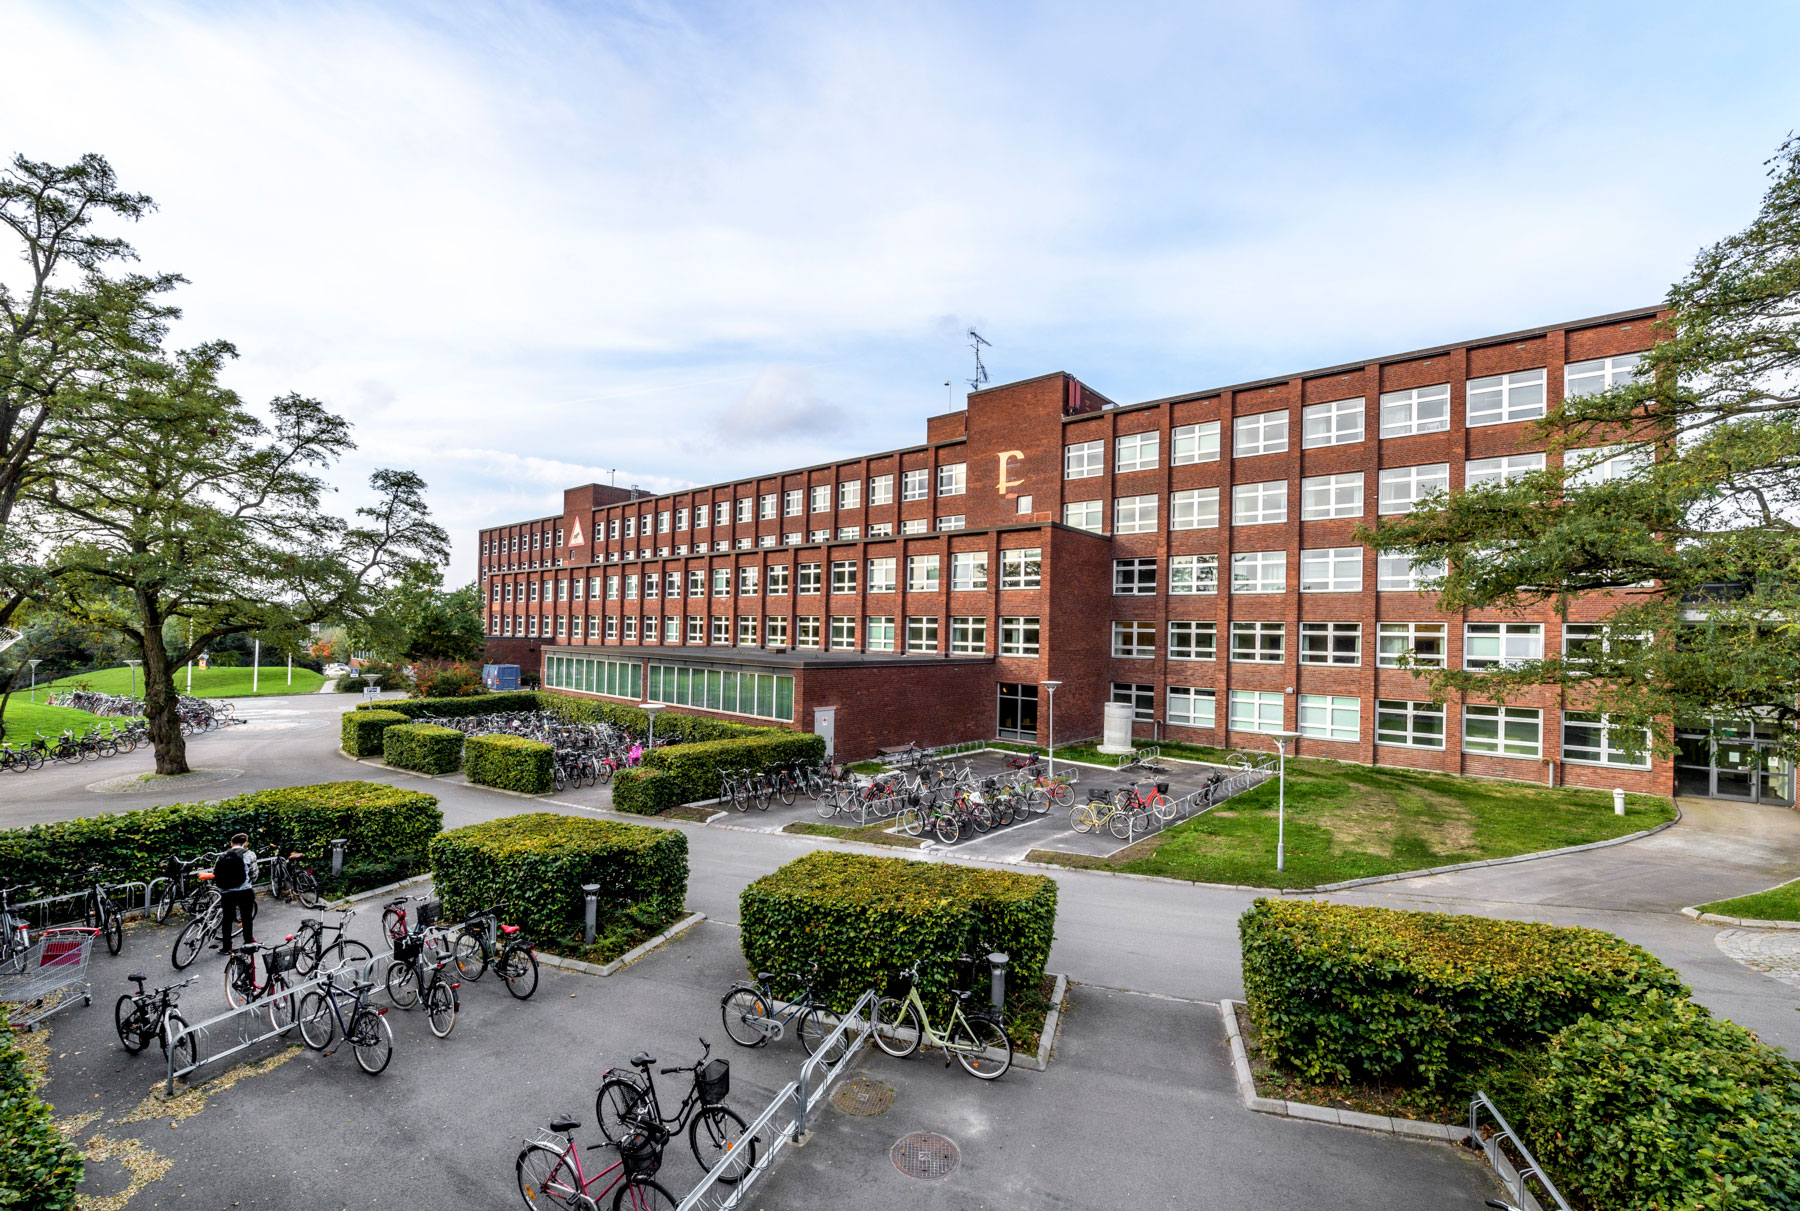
(1677, 501)
(182, 505)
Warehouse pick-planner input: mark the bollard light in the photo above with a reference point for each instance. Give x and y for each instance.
(997, 992)
(337, 855)
(592, 891)
(1618, 801)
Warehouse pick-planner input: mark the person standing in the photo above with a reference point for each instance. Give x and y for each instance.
(234, 875)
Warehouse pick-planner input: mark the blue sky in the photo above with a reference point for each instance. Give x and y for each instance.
(524, 246)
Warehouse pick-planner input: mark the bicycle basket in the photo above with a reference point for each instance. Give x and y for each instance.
(715, 1082)
(431, 912)
(639, 1150)
(409, 948)
(282, 959)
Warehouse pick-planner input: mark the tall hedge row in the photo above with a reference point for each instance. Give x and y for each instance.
(423, 747)
(689, 773)
(512, 763)
(39, 1168)
(538, 862)
(671, 727)
(1342, 992)
(386, 822)
(360, 732)
(864, 919)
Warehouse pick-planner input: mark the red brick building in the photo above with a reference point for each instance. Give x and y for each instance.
(1192, 556)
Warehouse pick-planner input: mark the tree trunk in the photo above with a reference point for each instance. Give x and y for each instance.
(160, 705)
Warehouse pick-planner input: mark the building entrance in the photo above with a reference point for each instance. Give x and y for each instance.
(1018, 712)
(1731, 760)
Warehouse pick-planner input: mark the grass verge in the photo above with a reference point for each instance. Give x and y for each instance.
(874, 834)
(208, 683)
(1776, 904)
(25, 719)
(1352, 822)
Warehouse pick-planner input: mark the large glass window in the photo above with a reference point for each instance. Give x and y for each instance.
(1503, 398)
(1586, 466)
(1134, 640)
(739, 691)
(922, 573)
(968, 636)
(1478, 472)
(1404, 487)
(1258, 642)
(1084, 460)
(968, 571)
(1338, 423)
(1412, 724)
(922, 633)
(1018, 636)
(1134, 577)
(1195, 509)
(1256, 710)
(952, 479)
(1402, 574)
(850, 494)
(1141, 698)
(1331, 570)
(1195, 444)
(1424, 641)
(1190, 707)
(1505, 731)
(1085, 515)
(915, 484)
(1193, 574)
(1259, 572)
(1488, 645)
(1022, 568)
(1190, 640)
(1329, 717)
(882, 573)
(1134, 515)
(1592, 739)
(1136, 452)
(811, 579)
(1264, 433)
(1419, 410)
(1323, 497)
(881, 489)
(1259, 504)
(1337, 643)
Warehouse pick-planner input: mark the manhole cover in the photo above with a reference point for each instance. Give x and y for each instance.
(861, 1096)
(923, 1154)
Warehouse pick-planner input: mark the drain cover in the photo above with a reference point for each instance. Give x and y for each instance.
(863, 1097)
(923, 1154)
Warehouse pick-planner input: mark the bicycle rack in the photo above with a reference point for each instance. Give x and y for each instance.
(1512, 1160)
(801, 1097)
(125, 904)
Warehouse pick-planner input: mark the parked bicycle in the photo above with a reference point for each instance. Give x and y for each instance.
(549, 1172)
(101, 913)
(316, 955)
(15, 935)
(715, 1131)
(331, 1009)
(204, 928)
(477, 942)
(288, 878)
(243, 986)
(181, 886)
(142, 1016)
(976, 1039)
(414, 953)
(754, 1017)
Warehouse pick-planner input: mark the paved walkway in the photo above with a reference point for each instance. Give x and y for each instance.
(1774, 952)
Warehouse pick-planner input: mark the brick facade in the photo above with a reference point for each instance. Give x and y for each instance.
(1001, 476)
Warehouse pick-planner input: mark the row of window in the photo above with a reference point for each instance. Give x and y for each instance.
(1486, 645)
(1018, 635)
(1494, 400)
(1021, 568)
(1503, 731)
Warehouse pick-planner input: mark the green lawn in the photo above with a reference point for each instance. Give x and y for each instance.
(208, 683)
(25, 718)
(1351, 821)
(1777, 904)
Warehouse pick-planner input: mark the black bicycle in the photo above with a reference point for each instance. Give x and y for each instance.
(754, 1017)
(315, 954)
(477, 942)
(142, 1016)
(288, 878)
(183, 887)
(628, 1100)
(15, 934)
(242, 985)
(323, 1014)
(102, 914)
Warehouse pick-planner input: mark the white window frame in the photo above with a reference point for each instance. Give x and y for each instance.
(1259, 504)
(968, 635)
(1259, 433)
(793, 502)
(968, 571)
(951, 522)
(1404, 574)
(1503, 399)
(810, 580)
(1599, 374)
(883, 574)
(1022, 568)
(1140, 696)
(850, 494)
(1409, 715)
(1193, 639)
(1084, 460)
(921, 632)
(1190, 706)
(1089, 515)
(765, 505)
(1586, 466)
(1503, 469)
(1259, 572)
(1134, 514)
(1021, 635)
(1402, 488)
(1329, 717)
(1336, 423)
(1128, 577)
(915, 484)
(1331, 570)
(1501, 745)
(1513, 643)
(881, 490)
(1197, 443)
(1133, 639)
(843, 577)
(1338, 644)
(952, 479)
(924, 573)
(1257, 710)
(1194, 509)
(1190, 575)
(1137, 452)
(1393, 640)
(1324, 497)
(809, 631)
(878, 632)
(819, 498)
(1252, 639)
(1605, 752)
(1415, 410)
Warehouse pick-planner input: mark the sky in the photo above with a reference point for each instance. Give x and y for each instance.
(529, 246)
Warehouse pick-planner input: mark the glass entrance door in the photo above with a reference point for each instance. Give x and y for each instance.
(1731, 760)
(1018, 712)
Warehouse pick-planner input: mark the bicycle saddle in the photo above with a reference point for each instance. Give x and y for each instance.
(642, 1059)
(138, 980)
(963, 996)
(763, 977)
(563, 1122)
(509, 929)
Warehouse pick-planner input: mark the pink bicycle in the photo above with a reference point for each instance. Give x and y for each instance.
(549, 1168)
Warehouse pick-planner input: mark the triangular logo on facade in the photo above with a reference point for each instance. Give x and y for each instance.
(575, 536)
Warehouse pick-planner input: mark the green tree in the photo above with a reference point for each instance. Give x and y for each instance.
(1677, 504)
(416, 618)
(185, 507)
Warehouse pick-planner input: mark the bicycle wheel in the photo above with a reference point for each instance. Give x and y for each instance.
(317, 1023)
(403, 985)
(188, 943)
(393, 925)
(741, 1007)
(344, 950)
(1121, 822)
(909, 821)
(817, 1025)
(471, 954)
(765, 794)
(1082, 818)
(545, 1179)
(947, 829)
(981, 1047)
(440, 1008)
(1163, 806)
(165, 902)
(240, 980)
(642, 1194)
(893, 1018)
(619, 1102)
(281, 1005)
(115, 931)
(1060, 793)
(828, 806)
(372, 1039)
(784, 786)
(717, 1133)
(306, 890)
(187, 1050)
(134, 1032)
(519, 968)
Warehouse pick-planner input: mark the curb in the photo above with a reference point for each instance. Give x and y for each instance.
(373, 892)
(1713, 918)
(1508, 861)
(629, 957)
(1246, 1083)
(1052, 1021)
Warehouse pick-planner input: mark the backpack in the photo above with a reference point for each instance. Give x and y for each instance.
(229, 873)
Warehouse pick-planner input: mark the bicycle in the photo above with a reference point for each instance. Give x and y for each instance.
(242, 987)
(15, 935)
(413, 952)
(393, 917)
(474, 946)
(443, 1000)
(142, 1016)
(517, 965)
(751, 1019)
(715, 1132)
(286, 876)
(208, 926)
(553, 1174)
(967, 1037)
(365, 1028)
(102, 914)
(314, 954)
(182, 887)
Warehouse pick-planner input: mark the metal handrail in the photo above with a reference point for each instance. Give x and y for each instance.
(126, 902)
(1514, 1172)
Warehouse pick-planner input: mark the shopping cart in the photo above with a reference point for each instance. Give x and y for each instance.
(54, 971)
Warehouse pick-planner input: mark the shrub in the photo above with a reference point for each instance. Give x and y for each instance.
(390, 678)
(671, 727)
(1667, 1107)
(1340, 992)
(504, 702)
(645, 792)
(379, 822)
(694, 769)
(424, 747)
(443, 679)
(39, 1168)
(361, 730)
(538, 862)
(511, 763)
(864, 919)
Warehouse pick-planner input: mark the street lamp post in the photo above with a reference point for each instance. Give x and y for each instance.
(134, 668)
(34, 662)
(1281, 742)
(255, 666)
(652, 709)
(1050, 721)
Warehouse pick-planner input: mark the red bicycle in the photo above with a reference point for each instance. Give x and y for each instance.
(549, 1169)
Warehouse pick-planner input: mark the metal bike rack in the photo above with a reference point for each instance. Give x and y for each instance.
(798, 1098)
(1512, 1160)
(127, 904)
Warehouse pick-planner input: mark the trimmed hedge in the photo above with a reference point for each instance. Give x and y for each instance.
(423, 747)
(390, 821)
(688, 773)
(1667, 1106)
(505, 702)
(537, 863)
(671, 727)
(864, 919)
(361, 730)
(39, 1168)
(511, 763)
(1341, 992)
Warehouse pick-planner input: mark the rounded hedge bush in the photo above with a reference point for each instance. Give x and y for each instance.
(511, 763)
(538, 862)
(423, 747)
(361, 730)
(864, 919)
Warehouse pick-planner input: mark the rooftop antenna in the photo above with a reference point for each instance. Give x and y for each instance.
(612, 477)
(949, 397)
(976, 341)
